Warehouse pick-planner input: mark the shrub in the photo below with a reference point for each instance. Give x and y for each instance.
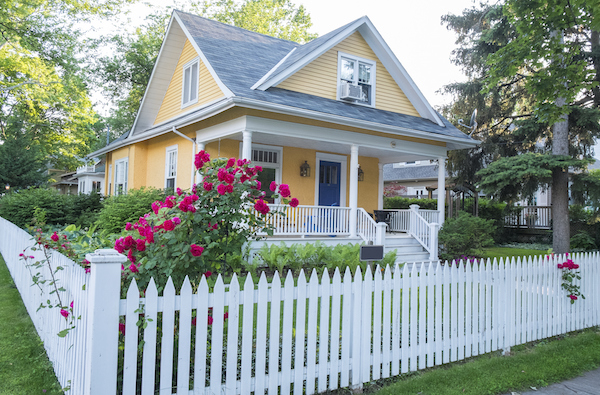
(19, 207)
(582, 241)
(399, 202)
(118, 210)
(315, 256)
(465, 235)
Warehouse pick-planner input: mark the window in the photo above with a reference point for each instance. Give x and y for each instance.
(171, 167)
(96, 186)
(121, 170)
(81, 186)
(358, 72)
(270, 160)
(190, 83)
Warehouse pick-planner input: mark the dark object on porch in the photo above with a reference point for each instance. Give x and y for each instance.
(383, 216)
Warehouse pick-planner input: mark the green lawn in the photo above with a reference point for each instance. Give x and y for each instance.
(24, 366)
(532, 365)
(504, 252)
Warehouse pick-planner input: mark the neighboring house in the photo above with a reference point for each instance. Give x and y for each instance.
(341, 104)
(420, 178)
(62, 181)
(91, 178)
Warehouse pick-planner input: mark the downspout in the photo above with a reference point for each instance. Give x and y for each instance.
(177, 132)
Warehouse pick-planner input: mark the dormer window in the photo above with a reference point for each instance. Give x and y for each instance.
(356, 79)
(190, 83)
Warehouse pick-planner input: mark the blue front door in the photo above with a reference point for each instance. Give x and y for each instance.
(329, 183)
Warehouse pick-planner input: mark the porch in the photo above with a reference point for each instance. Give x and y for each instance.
(413, 232)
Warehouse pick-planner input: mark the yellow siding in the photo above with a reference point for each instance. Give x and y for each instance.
(319, 78)
(369, 188)
(137, 165)
(225, 148)
(155, 167)
(208, 90)
(303, 188)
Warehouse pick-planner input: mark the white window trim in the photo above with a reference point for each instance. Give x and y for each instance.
(168, 150)
(343, 160)
(108, 185)
(277, 166)
(373, 77)
(125, 162)
(185, 67)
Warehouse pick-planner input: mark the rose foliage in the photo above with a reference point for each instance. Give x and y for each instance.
(205, 230)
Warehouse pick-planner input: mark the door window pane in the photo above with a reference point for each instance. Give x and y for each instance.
(266, 177)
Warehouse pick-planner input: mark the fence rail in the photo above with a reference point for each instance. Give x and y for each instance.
(318, 334)
(530, 217)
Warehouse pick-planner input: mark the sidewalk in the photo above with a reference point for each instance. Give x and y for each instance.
(588, 384)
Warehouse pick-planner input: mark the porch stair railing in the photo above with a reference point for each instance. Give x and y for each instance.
(425, 232)
(369, 230)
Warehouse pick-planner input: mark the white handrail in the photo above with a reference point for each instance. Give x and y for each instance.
(424, 232)
(366, 226)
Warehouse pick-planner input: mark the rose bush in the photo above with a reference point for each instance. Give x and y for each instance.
(203, 230)
(569, 274)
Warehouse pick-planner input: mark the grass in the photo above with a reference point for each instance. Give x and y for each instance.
(505, 252)
(24, 366)
(536, 364)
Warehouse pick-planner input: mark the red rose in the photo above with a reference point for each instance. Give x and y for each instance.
(168, 225)
(150, 236)
(140, 245)
(208, 186)
(221, 189)
(54, 237)
(196, 250)
(284, 190)
(273, 186)
(261, 207)
(230, 163)
(294, 202)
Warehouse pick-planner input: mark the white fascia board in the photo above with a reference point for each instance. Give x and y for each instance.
(269, 126)
(226, 91)
(150, 81)
(398, 72)
(320, 50)
(266, 76)
(378, 127)
(166, 127)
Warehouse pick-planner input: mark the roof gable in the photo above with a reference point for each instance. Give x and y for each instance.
(316, 48)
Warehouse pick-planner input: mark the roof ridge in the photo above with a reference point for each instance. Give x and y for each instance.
(237, 27)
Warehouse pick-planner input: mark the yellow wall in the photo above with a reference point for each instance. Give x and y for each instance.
(208, 90)
(319, 77)
(225, 148)
(303, 188)
(369, 188)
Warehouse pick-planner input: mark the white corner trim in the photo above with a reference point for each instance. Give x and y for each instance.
(343, 160)
(320, 50)
(266, 76)
(224, 88)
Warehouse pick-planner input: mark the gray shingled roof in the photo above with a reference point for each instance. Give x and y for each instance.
(410, 173)
(240, 58)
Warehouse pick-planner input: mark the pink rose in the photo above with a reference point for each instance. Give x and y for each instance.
(176, 221)
(183, 206)
(196, 250)
(122, 328)
(221, 189)
(128, 226)
(284, 190)
(150, 236)
(261, 207)
(140, 245)
(133, 268)
(208, 273)
(229, 188)
(229, 178)
(54, 237)
(273, 186)
(179, 191)
(230, 163)
(210, 320)
(168, 225)
(156, 206)
(208, 186)
(128, 242)
(294, 202)
(64, 313)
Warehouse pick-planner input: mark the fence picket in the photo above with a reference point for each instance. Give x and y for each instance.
(300, 334)
(414, 310)
(366, 325)
(324, 340)
(261, 335)
(387, 321)
(131, 339)
(216, 330)
(334, 353)
(346, 329)
(396, 319)
(461, 309)
(311, 345)
(149, 358)
(438, 301)
(247, 334)
(357, 286)
(286, 332)
(185, 335)
(377, 296)
(275, 320)
(202, 335)
(405, 323)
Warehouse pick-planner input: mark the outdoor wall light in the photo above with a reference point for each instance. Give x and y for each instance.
(7, 187)
(361, 174)
(305, 169)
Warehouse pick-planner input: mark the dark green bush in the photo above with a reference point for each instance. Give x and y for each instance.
(582, 241)
(19, 207)
(465, 235)
(118, 210)
(399, 202)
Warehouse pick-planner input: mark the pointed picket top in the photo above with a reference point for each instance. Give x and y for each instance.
(347, 275)
(219, 285)
(405, 271)
(325, 279)
(234, 280)
(186, 286)
(203, 287)
(378, 270)
(368, 274)
(314, 276)
(387, 273)
(249, 283)
(289, 279)
(301, 277)
(262, 282)
(336, 274)
(133, 290)
(151, 290)
(169, 287)
(275, 279)
(358, 274)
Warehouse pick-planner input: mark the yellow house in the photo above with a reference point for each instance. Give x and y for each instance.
(323, 117)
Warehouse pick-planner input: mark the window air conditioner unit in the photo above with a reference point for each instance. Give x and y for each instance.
(350, 92)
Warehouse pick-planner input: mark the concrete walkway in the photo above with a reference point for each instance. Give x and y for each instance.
(588, 384)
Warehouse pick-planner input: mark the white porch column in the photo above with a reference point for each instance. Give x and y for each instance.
(380, 192)
(441, 189)
(246, 144)
(353, 189)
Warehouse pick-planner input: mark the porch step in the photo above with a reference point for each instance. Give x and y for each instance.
(408, 249)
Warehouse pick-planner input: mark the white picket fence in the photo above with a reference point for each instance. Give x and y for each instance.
(321, 333)
(67, 354)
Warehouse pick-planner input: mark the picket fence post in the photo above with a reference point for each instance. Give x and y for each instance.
(103, 322)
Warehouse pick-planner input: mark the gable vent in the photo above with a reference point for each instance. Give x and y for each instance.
(265, 156)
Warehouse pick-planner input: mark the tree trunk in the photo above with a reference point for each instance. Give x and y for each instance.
(560, 187)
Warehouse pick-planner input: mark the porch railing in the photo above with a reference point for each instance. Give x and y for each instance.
(369, 230)
(425, 232)
(530, 217)
(310, 220)
(399, 221)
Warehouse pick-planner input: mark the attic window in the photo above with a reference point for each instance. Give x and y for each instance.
(190, 83)
(356, 79)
